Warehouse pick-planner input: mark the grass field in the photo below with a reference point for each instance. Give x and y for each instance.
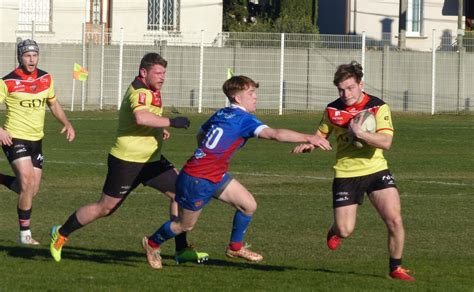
(432, 159)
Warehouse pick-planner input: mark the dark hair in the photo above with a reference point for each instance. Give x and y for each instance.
(346, 71)
(151, 59)
(236, 84)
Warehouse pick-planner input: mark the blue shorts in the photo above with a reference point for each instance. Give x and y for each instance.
(194, 193)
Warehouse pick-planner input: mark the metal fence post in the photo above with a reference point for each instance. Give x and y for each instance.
(362, 56)
(119, 95)
(462, 53)
(201, 71)
(83, 83)
(433, 72)
(33, 30)
(102, 55)
(282, 66)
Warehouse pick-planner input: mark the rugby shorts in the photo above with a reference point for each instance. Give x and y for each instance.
(193, 193)
(22, 149)
(124, 176)
(350, 191)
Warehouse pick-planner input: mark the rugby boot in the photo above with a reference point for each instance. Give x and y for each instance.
(244, 253)
(401, 274)
(153, 256)
(189, 254)
(57, 242)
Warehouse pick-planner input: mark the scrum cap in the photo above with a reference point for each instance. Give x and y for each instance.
(26, 46)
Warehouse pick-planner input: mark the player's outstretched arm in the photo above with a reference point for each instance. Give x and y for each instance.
(306, 148)
(285, 135)
(60, 115)
(145, 118)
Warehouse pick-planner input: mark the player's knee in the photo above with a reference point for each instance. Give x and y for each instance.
(250, 208)
(394, 223)
(105, 211)
(345, 231)
(186, 227)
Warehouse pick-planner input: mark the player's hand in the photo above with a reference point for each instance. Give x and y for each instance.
(180, 122)
(70, 133)
(355, 128)
(5, 138)
(166, 134)
(320, 142)
(303, 148)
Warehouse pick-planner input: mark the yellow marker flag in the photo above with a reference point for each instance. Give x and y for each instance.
(79, 72)
(230, 73)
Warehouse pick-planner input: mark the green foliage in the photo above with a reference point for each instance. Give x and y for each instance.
(289, 228)
(287, 17)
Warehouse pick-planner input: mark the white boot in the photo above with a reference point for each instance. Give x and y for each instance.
(25, 238)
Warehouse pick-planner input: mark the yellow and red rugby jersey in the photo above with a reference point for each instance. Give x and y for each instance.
(137, 143)
(350, 160)
(25, 97)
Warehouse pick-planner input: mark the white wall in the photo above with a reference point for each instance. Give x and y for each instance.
(370, 15)
(197, 15)
(8, 17)
(68, 16)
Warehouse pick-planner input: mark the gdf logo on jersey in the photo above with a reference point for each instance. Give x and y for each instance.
(33, 103)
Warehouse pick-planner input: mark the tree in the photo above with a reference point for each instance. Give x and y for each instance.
(290, 16)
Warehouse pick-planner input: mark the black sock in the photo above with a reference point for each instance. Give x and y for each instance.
(394, 263)
(7, 180)
(24, 218)
(71, 225)
(181, 242)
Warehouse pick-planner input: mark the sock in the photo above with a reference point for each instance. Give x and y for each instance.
(180, 242)
(163, 233)
(71, 225)
(7, 180)
(24, 218)
(239, 227)
(394, 263)
(235, 246)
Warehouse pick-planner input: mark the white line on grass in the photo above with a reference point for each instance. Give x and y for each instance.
(271, 174)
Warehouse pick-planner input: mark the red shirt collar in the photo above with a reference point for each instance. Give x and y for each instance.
(25, 76)
(359, 106)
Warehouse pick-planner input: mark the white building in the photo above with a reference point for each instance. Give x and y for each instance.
(57, 21)
(379, 19)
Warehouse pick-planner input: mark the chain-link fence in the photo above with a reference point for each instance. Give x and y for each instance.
(295, 71)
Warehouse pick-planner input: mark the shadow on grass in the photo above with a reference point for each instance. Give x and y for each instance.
(123, 257)
(131, 258)
(338, 272)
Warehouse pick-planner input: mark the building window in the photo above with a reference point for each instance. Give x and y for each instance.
(415, 18)
(97, 11)
(163, 15)
(37, 12)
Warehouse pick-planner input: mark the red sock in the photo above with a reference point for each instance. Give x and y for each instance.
(153, 244)
(235, 246)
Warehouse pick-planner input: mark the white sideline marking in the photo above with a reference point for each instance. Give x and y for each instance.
(263, 174)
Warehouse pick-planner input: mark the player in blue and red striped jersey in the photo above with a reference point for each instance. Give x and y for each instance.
(205, 174)
(361, 170)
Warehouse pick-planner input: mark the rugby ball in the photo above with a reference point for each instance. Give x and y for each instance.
(368, 125)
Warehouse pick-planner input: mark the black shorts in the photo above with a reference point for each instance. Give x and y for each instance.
(25, 149)
(124, 176)
(350, 191)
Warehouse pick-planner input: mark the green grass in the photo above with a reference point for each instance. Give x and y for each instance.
(432, 159)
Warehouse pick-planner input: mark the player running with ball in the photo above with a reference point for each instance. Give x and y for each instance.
(205, 175)
(361, 170)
